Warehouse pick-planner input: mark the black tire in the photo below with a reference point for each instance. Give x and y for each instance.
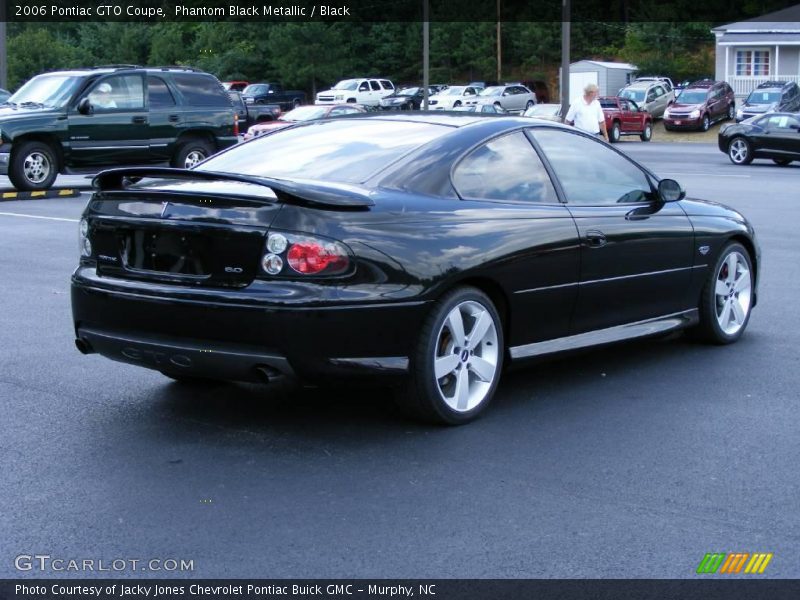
(456, 103)
(731, 112)
(615, 133)
(427, 396)
(705, 124)
(33, 166)
(740, 151)
(782, 162)
(727, 295)
(191, 152)
(530, 104)
(647, 133)
(352, 101)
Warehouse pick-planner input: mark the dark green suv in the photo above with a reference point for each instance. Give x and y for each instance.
(89, 119)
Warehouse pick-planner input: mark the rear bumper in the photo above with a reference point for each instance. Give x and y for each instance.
(243, 335)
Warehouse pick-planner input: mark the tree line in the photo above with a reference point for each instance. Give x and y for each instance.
(313, 55)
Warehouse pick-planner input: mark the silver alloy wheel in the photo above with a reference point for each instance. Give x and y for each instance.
(194, 157)
(738, 151)
(731, 112)
(36, 167)
(648, 132)
(465, 361)
(706, 123)
(732, 293)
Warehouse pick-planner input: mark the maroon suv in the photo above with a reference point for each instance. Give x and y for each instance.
(701, 104)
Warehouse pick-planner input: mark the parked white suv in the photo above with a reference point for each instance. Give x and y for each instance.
(359, 91)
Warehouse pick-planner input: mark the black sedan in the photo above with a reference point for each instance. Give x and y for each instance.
(406, 98)
(775, 136)
(429, 250)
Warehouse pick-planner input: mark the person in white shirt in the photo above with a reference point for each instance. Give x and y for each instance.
(587, 114)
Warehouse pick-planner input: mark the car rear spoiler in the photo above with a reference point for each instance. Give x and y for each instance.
(290, 192)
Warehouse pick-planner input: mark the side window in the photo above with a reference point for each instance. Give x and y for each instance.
(120, 92)
(505, 168)
(158, 93)
(651, 95)
(364, 87)
(591, 173)
(387, 85)
(376, 87)
(201, 90)
(342, 110)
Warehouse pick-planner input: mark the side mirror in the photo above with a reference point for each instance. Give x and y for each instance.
(670, 190)
(85, 107)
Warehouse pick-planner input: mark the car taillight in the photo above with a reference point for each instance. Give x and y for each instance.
(289, 254)
(312, 258)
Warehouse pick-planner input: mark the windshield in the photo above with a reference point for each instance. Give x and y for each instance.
(347, 84)
(635, 95)
(543, 109)
(492, 91)
(251, 90)
(48, 90)
(690, 97)
(453, 91)
(407, 91)
(763, 97)
(305, 113)
(342, 150)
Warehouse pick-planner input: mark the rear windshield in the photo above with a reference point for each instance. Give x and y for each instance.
(347, 150)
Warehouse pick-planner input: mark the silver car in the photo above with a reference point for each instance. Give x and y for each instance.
(652, 95)
(514, 98)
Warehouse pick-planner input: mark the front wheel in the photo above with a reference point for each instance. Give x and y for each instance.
(647, 134)
(731, 112)
(727, 296)
(615, 133)
(740, 152)
(706, 123)
(192, 152)
(529, 104)
(457, 363)
(33, 166)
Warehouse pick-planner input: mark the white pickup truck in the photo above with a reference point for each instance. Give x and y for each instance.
(360, 91)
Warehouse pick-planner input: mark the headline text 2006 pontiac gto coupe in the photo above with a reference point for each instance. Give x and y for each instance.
(427, 249)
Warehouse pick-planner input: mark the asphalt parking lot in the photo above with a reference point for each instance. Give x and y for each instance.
(626, 462)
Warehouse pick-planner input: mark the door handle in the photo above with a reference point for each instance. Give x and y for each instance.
(139, 120)
(174, 118)
(595, 239)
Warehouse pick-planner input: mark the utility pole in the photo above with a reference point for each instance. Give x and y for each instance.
(499, 45)
(426, 52)
(565, 44)
(3, 53)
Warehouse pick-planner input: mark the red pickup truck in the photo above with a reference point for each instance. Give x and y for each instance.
(624, 117)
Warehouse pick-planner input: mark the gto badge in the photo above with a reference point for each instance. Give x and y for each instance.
(704, 249)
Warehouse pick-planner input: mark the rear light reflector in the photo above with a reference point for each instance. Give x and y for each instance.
(287, 254)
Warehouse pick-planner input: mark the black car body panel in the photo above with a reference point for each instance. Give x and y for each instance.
(409, 234)
(273, 93)
(774, 135)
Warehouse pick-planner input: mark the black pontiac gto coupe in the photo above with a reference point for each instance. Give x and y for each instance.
(429, 249)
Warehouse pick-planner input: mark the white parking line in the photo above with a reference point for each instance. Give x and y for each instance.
(8, 214)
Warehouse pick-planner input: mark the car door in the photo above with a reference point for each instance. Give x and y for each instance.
(630, 119)
(115, 132)
(780, 135)
(507, 200)
(165, 118)
(636, 252)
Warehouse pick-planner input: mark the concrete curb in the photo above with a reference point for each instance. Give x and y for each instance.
(51, 193)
